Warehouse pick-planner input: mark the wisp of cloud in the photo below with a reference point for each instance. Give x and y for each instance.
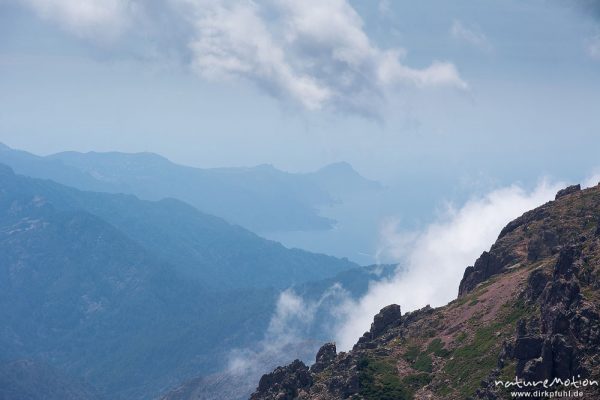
(436, 258)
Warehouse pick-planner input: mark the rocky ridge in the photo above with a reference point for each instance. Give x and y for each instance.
(529, 308)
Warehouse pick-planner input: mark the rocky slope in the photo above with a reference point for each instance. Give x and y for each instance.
(527, 308)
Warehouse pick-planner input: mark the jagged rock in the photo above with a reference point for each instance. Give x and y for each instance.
(414, 316)
(325, 357)
(538, 368)
(564, 266)
(344, 386)
(284, 383)
(562, 293)
(562, 358)
(536, 283)
(542, 245)
(485, 266)
(388, 317)
(530, 216)
(561, 323)
(566, 191)
(586, 326)
(528, 347)
(488, 264)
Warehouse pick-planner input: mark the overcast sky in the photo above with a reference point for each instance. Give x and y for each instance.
(472, 91)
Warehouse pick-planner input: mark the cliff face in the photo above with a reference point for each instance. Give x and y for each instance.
(528, 308)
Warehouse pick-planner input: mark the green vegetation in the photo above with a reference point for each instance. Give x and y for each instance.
(459, 301)
(379, 380)
(472, 362)
(423, 363)
(508, 373)
(437, 348)
(420, 361)
(412, 353)
(416, 381)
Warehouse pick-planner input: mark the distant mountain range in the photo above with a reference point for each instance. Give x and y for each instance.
(132, 296)
(260, 198)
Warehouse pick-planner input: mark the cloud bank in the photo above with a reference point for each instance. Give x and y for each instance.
(433, 262)
(436, 257)
(286, 338)
(312, 53)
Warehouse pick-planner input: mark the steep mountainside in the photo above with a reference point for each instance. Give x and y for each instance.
(78, 294)
(87, 286)
(201, 246)
(260, 198)
(528, 308)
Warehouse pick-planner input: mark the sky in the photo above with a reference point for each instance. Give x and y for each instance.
(496, 100)
(460, 92)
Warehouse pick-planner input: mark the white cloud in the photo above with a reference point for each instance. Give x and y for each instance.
(592, 180)
(470, 35)
(92, 19)
(287, 335)
(313, 52)
(593, 48)
(435, 258)
(234, 41)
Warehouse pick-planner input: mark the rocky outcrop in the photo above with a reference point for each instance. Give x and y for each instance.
(538, 233)
(389, 316)
(530, 307)
(325, 357)
(567, 191)
(552, 343)
(285, 383)
(487, 265)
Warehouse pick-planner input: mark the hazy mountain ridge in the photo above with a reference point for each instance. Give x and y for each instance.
(81, 295)
(260, 198)
(83, 289)
(529, 307)
(201, 246)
